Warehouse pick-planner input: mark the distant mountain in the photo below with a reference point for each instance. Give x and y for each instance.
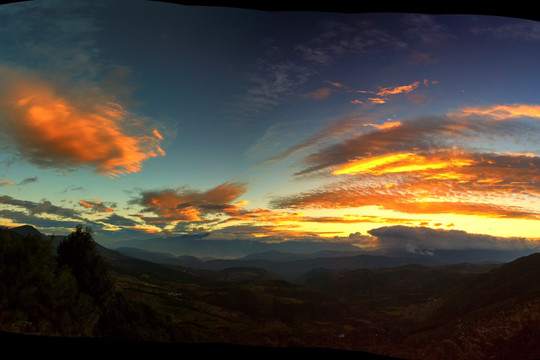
(292, 265)
(199, 246)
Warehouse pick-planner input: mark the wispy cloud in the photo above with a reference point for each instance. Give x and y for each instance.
(425, 29)
(58, 37)
(276, 79)
(510, 30)
(383, 94)
(29, 180)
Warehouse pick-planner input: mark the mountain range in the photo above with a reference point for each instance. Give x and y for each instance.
(289, 259)
(474, 304)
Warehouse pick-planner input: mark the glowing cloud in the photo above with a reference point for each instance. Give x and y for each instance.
(188, 205)
(384, 92)
(52, 127)
(502, 112)
(395, 163)
(386, 125)
(398, 89)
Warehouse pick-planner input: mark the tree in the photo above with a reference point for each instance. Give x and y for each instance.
(119, 316)
(35, 295)
(79, 252)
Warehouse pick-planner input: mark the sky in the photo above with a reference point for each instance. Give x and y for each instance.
(142, 119)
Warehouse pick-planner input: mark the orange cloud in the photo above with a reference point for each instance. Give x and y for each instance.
(51, 126)
(502, 112)
(187, 205)
(377, 100)
(395, 163)
(398, 89)
(386, 125)
(384, 92)
(488, 185)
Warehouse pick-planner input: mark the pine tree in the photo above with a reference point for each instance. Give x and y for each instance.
(35, 295)
(79, 252)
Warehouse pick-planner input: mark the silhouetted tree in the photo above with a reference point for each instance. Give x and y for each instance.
(35, 295)
(79, 252)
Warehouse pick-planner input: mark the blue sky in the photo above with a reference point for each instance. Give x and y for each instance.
(142, 119)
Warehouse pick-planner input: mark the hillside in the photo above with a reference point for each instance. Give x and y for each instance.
(412, 311)
(291, 265)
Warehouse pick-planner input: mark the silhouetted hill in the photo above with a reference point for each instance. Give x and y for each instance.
(495, 314)
(25, 230)
(516, 281)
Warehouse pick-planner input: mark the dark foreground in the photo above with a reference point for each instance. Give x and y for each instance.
(61, 347)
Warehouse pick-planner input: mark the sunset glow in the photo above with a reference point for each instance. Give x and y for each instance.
(217, 121)
(397, 163)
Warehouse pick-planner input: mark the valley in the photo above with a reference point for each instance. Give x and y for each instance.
(469, 310)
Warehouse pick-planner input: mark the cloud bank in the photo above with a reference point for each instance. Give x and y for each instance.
(426, 240)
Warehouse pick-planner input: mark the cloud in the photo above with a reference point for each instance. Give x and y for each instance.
(338, 39)
(425, 240)
(97, 206)
(4, 182)
(522, 30)
(503, 112)
(420, 197)
(336, 129)
(117, 220)
(425, 29)
(22, 218)
(188, 205)
(58, 36)
(461, 129)
(56, 126)
(442, 183)
(382, 95)
(432, 165)
(318, 94)
(73, 112)
(29, 180)
(276, 79)
(37, 208)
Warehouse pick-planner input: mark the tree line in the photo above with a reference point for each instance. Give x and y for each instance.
(68, 290)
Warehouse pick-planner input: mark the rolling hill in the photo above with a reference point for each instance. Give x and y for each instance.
(392, 306)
